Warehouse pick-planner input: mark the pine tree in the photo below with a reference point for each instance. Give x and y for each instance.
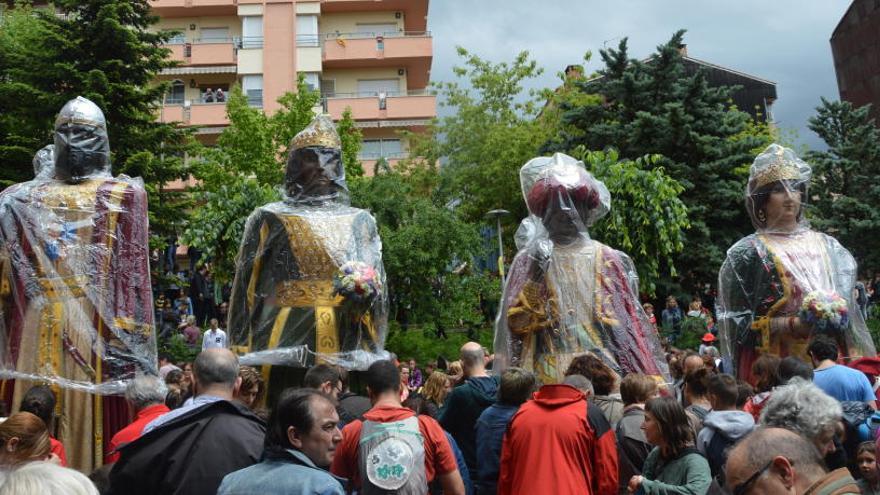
(656, 107)
(845, 191)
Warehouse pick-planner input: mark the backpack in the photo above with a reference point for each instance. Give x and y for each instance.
(392, 458)
(716, 454)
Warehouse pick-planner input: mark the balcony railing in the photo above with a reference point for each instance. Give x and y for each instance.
(377, 34)
(370, 106)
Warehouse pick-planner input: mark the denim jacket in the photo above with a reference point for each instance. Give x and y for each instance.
(285, 473)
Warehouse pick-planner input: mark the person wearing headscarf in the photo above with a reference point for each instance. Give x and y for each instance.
(309, 281)
(768, 275)
(76, 309)
(566, 294)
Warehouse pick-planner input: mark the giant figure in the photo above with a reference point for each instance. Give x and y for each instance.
(566, 293)
(766, 275)
(75, 299)
(288, 306)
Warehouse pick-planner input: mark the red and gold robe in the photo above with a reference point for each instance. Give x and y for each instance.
(75, 303)
(584, 300)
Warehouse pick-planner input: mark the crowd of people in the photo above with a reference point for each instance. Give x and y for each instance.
(209, 427)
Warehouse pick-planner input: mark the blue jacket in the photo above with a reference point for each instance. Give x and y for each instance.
(287, 473)
(491, 426)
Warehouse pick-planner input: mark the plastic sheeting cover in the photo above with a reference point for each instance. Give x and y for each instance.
(567, 294)
(75, 298)
(766, 275)
(285, 308)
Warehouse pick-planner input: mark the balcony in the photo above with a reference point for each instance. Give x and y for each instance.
(212, 53)
(412, 50)
(188, 8)
(197, 114)
(205, 52)
(416, 105)
(415, 12)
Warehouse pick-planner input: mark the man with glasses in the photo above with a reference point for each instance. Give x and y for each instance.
(775, 460)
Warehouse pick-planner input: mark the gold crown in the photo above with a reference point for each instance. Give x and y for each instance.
(780, 168)
(321, 132)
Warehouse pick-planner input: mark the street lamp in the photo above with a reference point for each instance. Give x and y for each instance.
(497, 214)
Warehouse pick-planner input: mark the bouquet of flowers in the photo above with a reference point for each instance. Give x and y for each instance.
(826, 311)
(357, 282)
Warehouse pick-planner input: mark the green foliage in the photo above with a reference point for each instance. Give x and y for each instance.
(245, 170)
(692, 330)
(104, 50)
(647, 218)
(177, 348)
(496, 129)
(656, 108)
(423, 345)
(421, 242)
(845, 191)
(490, 134)
(352, 139)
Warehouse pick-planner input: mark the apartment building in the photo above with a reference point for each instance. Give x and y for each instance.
(373, 56)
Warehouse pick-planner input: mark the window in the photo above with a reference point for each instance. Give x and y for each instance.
(176, 93)
(215, 35)
(252, 31)
(328, 87)
(177, 39)
(373, 149)
(252, 86)
(307, 30)
(378, 87)
(378, 29)
(313, 81)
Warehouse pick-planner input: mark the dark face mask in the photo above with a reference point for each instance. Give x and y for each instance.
(315, 173)
(562, 219)
(81, 151)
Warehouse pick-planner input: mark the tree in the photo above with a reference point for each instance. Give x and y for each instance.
(648, 227)
(352, 139)
(844, 191)
(656, 108)
(246, 169)
(490, 134)
(106, 51)
(496, 128)
(422, 242)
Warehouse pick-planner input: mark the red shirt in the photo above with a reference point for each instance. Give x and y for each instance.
(439, 457)
(57, 448)
(133, 431)
(557, 444)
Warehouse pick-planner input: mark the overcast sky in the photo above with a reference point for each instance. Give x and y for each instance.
(785, 41)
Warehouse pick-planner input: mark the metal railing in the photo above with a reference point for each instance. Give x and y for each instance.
(388, 156)
(377, 94)
(376, 34)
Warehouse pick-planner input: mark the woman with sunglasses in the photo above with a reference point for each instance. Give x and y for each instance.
(674, 465)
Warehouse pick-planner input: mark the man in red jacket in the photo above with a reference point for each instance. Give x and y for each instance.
(558, 443)
(146, 398)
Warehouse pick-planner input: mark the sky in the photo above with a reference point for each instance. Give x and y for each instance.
(784, 41)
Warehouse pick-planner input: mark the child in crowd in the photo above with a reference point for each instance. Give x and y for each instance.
(866, 461)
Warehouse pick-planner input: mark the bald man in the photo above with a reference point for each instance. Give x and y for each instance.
(775, 460)
(191, 449)
(467, 401)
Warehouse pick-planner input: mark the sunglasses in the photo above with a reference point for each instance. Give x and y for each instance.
(745, 486)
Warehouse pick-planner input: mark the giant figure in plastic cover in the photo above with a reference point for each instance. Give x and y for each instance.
(75, 300)
(566, 293)
(309, 281)
(785, 282)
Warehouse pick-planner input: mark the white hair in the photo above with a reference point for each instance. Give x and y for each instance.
(145, 391)
(803, 408)
(46, 478)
